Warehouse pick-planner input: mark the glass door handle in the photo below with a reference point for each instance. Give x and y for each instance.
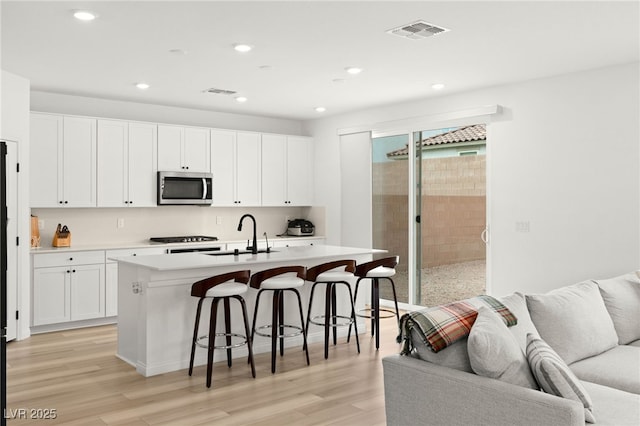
(484, 235)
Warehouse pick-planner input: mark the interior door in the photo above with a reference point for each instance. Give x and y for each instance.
(11, 179)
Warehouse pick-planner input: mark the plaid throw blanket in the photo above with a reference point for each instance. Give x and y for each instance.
(443, 325)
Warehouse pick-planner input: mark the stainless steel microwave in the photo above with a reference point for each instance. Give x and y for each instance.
(184, 188)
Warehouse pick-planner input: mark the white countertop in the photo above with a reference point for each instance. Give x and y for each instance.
(181, 261)
(148, 244)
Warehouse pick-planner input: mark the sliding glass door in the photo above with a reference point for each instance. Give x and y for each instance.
(450, 182)
(390, 209)
(429, 207)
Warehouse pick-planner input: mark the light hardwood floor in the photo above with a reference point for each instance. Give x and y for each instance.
(77, 373)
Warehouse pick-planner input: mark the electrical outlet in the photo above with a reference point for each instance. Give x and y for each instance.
(218, 220)
(522, 226)
(40, 224)
(120, 223)
(287, 219)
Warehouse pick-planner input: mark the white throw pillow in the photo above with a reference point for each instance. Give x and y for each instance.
(555, 377)
(573, 321)
(494, 352)
(621, 297)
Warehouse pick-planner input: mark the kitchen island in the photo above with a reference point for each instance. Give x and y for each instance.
(156, 311)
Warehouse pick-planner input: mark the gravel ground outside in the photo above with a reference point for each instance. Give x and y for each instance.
(442, 284)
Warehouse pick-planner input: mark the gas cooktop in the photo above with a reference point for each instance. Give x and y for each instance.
(183, 239)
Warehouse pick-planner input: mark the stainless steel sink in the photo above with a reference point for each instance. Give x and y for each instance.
(237, 253)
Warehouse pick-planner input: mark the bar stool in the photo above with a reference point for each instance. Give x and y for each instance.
(279, 280)
(221, 287)
(376, 270)
(328, 274)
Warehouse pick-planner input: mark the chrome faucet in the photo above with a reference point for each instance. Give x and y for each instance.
(254, 248)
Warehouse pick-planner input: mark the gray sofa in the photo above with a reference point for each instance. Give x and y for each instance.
(593, 327)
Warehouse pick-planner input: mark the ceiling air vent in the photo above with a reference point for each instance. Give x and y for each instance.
(220, 91)
(417, 30)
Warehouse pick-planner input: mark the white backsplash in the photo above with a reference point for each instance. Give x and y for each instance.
(100, 225)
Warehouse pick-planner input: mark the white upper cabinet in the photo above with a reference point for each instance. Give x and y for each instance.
(299, 170)
(185, 149)
(287, 170)
(248, 174)
(235, 164)
(45, 166)
(274, 170)
(126, 164)
(223, 167)
(143, 142)
(63, 161)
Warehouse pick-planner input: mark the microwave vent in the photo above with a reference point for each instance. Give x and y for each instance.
(417, 30)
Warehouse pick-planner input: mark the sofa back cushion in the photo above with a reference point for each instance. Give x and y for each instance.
(495, 353)
(518, 306)
(573, 320)
(621, 297)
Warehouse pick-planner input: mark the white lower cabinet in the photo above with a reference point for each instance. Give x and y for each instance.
(68, 287)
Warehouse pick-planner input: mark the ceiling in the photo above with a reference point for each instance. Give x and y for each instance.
(301, 49)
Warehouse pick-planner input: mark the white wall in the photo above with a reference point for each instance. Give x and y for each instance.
(14, 125)
(563, 156)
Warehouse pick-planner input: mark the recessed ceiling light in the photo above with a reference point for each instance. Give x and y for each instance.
(241, 99)
(178, 51)
(142, 86)
(320, 109)
(437, 86)
(84, 15)
(265, 67)
(242, 48)
(353, 70)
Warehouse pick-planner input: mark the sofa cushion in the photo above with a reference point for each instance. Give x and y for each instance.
(453, 356)
(518, 306)
(618, 368)
(613, 407)
(494, 352)
(555, 376)
(573, 321)
(621, 297)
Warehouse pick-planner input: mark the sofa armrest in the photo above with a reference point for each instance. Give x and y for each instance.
(420, 392)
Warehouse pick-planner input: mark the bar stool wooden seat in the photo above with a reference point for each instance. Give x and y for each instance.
(223, 287)
(331, 276)
(279, 280)
(375, 271)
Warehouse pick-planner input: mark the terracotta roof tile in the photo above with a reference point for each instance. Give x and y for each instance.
(477, 132)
